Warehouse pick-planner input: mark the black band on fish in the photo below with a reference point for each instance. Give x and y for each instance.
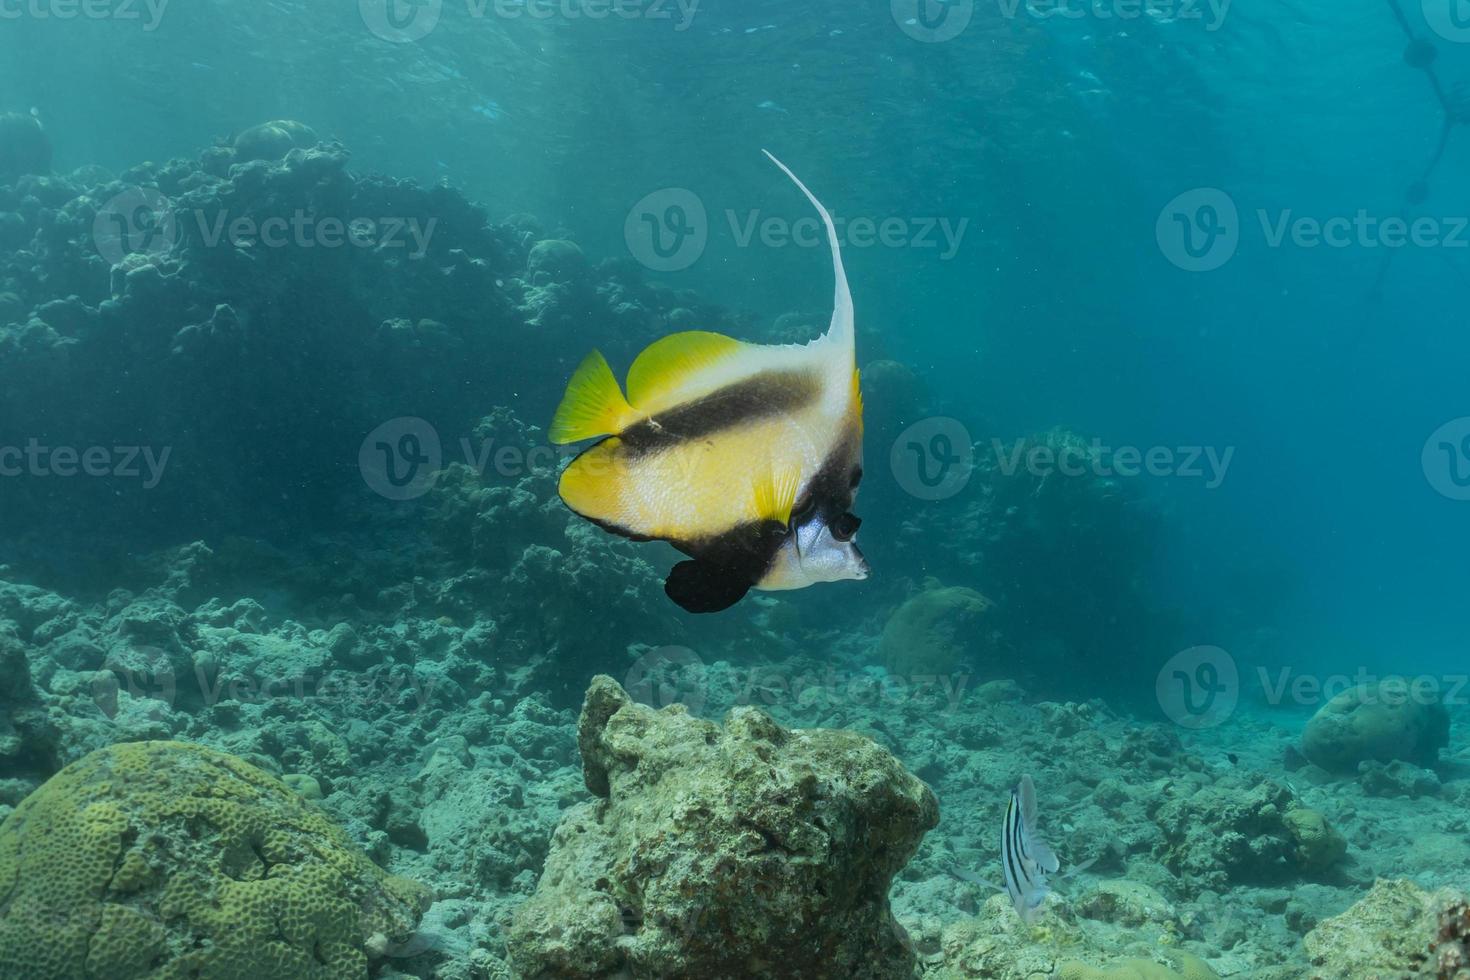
(763, 396)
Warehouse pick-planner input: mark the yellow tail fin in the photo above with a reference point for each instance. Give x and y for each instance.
(593, 405)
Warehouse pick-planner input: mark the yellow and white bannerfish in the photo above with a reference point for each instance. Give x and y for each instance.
(746, 457)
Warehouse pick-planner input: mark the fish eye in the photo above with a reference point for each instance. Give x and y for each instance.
(846, 526)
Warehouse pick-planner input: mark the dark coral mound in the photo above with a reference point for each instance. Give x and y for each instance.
(24, 146)
(254, 319)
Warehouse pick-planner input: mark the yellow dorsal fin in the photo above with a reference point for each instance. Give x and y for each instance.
(775, 496)
(857, 396)
(593, 405)
(666, 364)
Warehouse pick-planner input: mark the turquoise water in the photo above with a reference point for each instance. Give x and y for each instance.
(1159, 311)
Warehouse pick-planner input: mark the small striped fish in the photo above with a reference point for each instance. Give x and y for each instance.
(1026, 858)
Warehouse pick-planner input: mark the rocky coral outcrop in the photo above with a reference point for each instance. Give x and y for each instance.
(1218, 836)
(996, 945)
(1385, 721)
(136, 309)
(1398, 930)
(724, 851)
(175, 860)
(943, 631)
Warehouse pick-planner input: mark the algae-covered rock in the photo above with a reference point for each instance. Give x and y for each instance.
(1397, 779)
(273, 140)
(1381, 722)
(940, 631)
(1394, 932)
(165, 860)
(740, 850)
(1221, 835)
(557, 260)
(1318, 845)
(1180, 966)
(1127, 903)
(997, 945)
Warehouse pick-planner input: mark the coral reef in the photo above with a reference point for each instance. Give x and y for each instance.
(139, 310)
(714, 846)
(1395, 931)
(171, 860)
(1222, 835)
(411, 668)
(996, 946)
(942, 631)
(273, 140)
(1384, 721)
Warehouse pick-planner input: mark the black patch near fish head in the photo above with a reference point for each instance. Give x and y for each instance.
(703, 587)
(722, 571)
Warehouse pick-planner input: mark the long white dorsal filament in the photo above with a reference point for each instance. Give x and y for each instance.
(841, 330)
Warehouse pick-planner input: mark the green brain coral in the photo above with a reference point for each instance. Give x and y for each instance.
(162, 860)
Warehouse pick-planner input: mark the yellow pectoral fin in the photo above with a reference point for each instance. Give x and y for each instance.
(775, 496)
(593, 404)
(668, 364)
